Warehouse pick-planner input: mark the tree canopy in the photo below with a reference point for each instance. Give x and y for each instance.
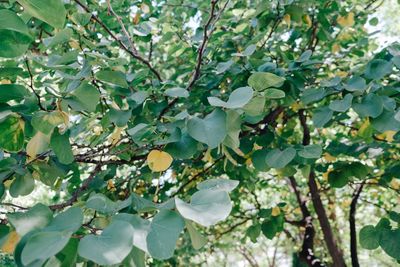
(161, 132)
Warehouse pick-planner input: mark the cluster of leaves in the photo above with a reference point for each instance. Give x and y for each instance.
(122, 108)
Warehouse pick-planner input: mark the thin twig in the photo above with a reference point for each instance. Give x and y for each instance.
(121, 44)
(31, 85)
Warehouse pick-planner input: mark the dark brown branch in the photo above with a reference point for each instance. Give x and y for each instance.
(274, 26)
(334, 250)
(353, 229)
(195, 177)
(31, 85)
(206, 36)
(79, 191)
(120, 43)
(307, 250)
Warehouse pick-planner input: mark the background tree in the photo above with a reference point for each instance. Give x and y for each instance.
(163, 132)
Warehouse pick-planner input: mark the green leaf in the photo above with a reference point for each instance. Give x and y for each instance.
(374, 21)
(280, 158)
(43, 245)
(177, 92)
(185, 148)
(136, 258)
(198, 240)
(22, 185)
(52, 12)
(12, 92)
(322, 116)
(207, 207)
(15, 38)
(258, 159)
(274, 93)
(377, 69)
(369, 237)
(263, 80)
(311, 152)
(12, 133)
(233, 128)
(103, 204)
(60, 38)
(111, 246)
(141, 229)
(211, 130)
(69, 254)
(68, 221)
(356, 83)
(338, 178)
(371, 106)
(62, 147)
(45, 122)
(218, 184)
(224, 66)
(254, 232)
(386, 122)
(341, 105)
(120, 117)
(389, 242)
(112, 77)
(272, 225)
(164, 232)
(85, 97)
(312, 95)
(255, 107)
(237, 99)
(35, 218)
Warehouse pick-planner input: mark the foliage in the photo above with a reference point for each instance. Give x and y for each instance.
(150, 129)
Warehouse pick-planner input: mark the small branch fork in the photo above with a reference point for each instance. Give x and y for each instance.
(334, 250)
(131, 51)
(31, 85)
(209, 28)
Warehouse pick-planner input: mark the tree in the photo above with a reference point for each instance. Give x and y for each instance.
(154, 124)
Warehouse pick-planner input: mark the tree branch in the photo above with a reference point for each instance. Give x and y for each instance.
(353, 230)
(206, 36)
(307, 250)
(31, 85)
(79, 191)
(334, 250)
(120, 43)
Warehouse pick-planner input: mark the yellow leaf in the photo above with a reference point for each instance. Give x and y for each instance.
(136, 19)
(346, 203)
(248, 162)
(307, 20)
(11, 242)
(335, 48)
(5, 81)
(388, 136)
(326, 174)
(364, 127)
(110, 185)
(38, 144)
(395, 184)
(286, 18)
(159, 161)
(346, 21)
(275, 211)
(115, 136)
(342, 74)
(328, 157)
(74, 44)
(296, 106)
(207, 156)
